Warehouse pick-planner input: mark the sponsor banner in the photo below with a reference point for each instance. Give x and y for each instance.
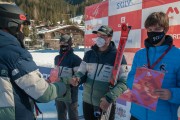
(172, 10)
(133, 41)
(116, 37)
(123, 6)
(89, 40)
(95, 24)
(143, 37)
(152, 3)
(129, 57)
(122, 110)
(174, 32)
(131, 18)
(96, 11)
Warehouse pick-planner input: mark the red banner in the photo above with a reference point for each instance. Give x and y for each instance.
(115, 21)
(153, 3)
(96, 11)
(115, 12)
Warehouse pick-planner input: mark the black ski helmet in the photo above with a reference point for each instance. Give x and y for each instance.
(11, 18)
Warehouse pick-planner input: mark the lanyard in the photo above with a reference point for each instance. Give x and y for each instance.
(60, 60)
(159, 59)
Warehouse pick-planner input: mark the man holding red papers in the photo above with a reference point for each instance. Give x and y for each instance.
(156, 64)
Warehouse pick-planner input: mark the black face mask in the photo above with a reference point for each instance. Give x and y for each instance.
(20, 37)
(64, 48)
(155, 37)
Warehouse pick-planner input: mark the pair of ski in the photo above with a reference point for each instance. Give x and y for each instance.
(115, 72)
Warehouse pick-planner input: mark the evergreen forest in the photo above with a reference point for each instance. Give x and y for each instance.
(52, 10)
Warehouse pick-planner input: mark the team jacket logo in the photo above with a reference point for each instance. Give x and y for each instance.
(4, 72)
(163, 68)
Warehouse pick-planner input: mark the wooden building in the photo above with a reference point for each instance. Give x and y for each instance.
(51, 36)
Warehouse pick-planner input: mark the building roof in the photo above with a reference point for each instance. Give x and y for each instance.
(45, 30)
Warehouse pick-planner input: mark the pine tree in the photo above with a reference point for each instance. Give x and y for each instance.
(53, 10)
(26, 31)
(33, 36)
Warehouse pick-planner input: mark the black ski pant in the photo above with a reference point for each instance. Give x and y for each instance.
(88, 111)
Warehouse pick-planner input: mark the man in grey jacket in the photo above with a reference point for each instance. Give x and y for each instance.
(97, 67)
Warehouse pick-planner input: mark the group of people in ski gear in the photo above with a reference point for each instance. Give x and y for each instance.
(21, 83)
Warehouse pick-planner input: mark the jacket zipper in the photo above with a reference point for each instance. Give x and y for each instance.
(94, 76)
(60, 71)
(100, 69)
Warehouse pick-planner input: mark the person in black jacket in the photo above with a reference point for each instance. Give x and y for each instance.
(68, 64)
(20, 79)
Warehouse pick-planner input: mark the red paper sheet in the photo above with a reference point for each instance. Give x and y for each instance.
(145, 82)
(54, 75)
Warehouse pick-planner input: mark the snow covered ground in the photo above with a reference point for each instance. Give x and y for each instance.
(46, 59)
